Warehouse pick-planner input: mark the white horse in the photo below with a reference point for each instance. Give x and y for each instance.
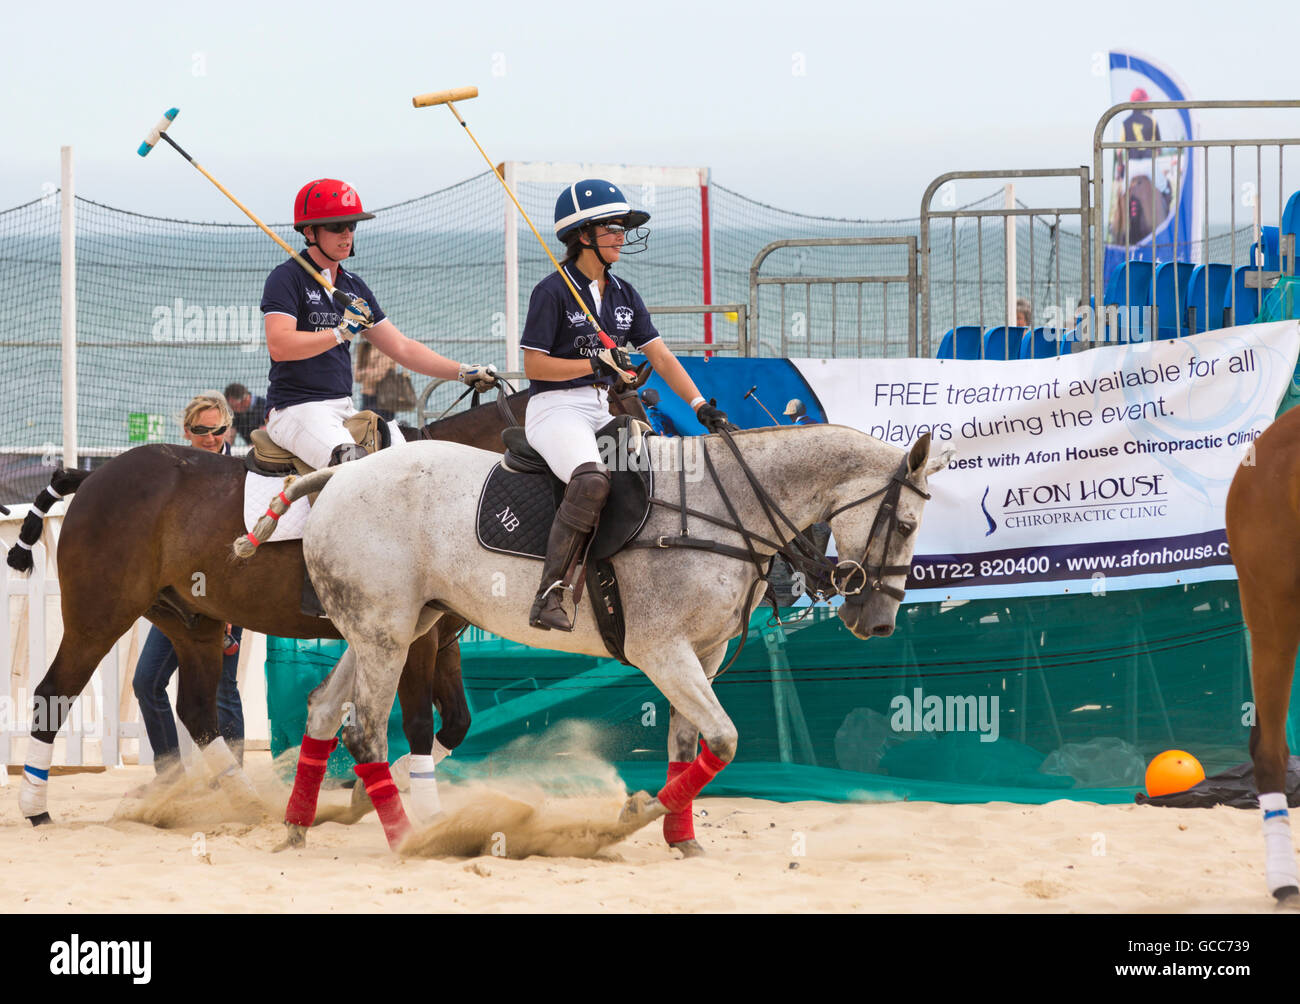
(391, 546)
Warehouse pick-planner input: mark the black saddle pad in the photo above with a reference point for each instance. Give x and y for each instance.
(515, 511)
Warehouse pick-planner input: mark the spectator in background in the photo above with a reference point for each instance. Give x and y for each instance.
(797, 412)
(249, 411)
(371, 367)
(207, 418)
(1024, 313)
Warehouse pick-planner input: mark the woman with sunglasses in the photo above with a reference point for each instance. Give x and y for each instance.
(569, 368)
(206, 421)
(309, 336)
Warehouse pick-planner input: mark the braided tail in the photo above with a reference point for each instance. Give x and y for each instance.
(62, 484)
(294, 489)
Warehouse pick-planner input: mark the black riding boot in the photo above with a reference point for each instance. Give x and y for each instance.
(579, 510)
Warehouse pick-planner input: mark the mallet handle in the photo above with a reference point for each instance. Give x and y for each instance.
(455, 94)
(442, 97)
(311, 271)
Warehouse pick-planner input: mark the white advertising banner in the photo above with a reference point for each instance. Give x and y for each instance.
(1107, 468)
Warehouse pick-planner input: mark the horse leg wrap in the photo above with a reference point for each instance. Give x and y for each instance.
(425, 803)
(388, 803)
(678, 793)
(678, 825)
(1279, 861)
(312, 758)
(36, 778)
(228, 775)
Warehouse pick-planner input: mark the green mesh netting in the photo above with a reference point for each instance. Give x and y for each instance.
(1282, 302)
(1037, 699)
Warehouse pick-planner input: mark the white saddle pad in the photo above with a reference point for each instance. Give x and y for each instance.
(258, 492)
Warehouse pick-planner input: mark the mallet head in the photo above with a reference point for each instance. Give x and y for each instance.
(750, 391)
(442, 97)
(151, 140)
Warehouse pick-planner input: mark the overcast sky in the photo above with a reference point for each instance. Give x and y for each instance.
(842, 109)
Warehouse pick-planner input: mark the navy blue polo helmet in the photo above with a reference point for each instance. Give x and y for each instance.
(591, 201)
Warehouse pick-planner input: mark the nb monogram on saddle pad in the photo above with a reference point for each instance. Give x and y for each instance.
(521, 495)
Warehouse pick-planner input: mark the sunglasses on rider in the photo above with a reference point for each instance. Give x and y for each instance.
(614, 228)
(207, 430)
(339, 228)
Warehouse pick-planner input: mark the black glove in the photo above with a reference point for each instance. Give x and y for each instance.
(711, 417)
(612, 362)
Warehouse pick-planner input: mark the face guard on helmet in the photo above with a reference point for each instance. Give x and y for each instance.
(325, 201)
(584, 204)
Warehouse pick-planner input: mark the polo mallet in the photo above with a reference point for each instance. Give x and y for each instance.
(750, 393)
(160, 132)
(464, 93)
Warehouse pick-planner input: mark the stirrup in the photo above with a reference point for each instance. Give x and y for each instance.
(541, 607)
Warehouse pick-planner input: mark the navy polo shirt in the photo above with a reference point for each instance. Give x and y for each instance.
(557, 327)
(290, 290)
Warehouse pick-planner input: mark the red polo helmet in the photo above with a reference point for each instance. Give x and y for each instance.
(1139, 94)
(327, 200)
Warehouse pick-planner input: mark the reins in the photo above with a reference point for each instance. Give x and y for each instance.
(800, 552)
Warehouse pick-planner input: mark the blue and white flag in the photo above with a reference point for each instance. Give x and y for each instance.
(1155, 195)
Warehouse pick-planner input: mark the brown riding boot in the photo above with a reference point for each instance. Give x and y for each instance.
(584, 497)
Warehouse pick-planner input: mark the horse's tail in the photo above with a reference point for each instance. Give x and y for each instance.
(295, 488)
(62, 484)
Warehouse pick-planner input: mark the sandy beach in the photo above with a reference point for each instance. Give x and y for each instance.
(762, 856)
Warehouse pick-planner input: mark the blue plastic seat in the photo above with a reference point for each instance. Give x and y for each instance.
(1249, 301)
(1045, 343)
(1129, 288)
(960, 343)
(1205, 295)
(1268, 240)
(1170, 297)
(1003, 342)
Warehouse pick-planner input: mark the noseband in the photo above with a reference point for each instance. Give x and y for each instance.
(873, 576)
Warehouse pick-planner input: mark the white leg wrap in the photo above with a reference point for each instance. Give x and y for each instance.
(225, 769)
(425, 804)
(1279, 862)
(36, 775)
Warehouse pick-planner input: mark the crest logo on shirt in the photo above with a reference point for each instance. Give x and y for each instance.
(576, 318)
(313, 295)
(623, 318)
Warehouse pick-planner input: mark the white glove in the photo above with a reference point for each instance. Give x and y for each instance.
(482, 377)
(356, 318)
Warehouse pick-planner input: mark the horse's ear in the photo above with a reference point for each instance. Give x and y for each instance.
(919, 454)
(643, 373)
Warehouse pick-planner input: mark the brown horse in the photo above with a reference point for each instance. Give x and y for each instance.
(148, 534)
(1263, 522)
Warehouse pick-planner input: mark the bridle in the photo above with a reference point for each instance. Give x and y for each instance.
(800, 552)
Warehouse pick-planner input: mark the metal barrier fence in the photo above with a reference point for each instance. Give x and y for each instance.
(827, 305)
(1003, 272)
(1145, 218)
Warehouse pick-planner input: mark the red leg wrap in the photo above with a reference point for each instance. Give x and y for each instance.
(679, 825)
(678, 793)
(388, 803)
(306, 782)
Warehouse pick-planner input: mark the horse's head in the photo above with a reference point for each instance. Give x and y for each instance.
(875, 535)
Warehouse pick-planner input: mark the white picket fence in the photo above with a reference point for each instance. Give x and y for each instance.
(104, 726)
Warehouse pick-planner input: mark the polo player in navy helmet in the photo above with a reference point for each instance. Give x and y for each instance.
(569, 369)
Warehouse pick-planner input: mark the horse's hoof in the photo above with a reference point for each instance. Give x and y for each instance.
(1288, 898)
(41, 819)
(295, 838)
(689, 848)
(640, 809)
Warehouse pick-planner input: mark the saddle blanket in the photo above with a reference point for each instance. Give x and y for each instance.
(258, 492)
